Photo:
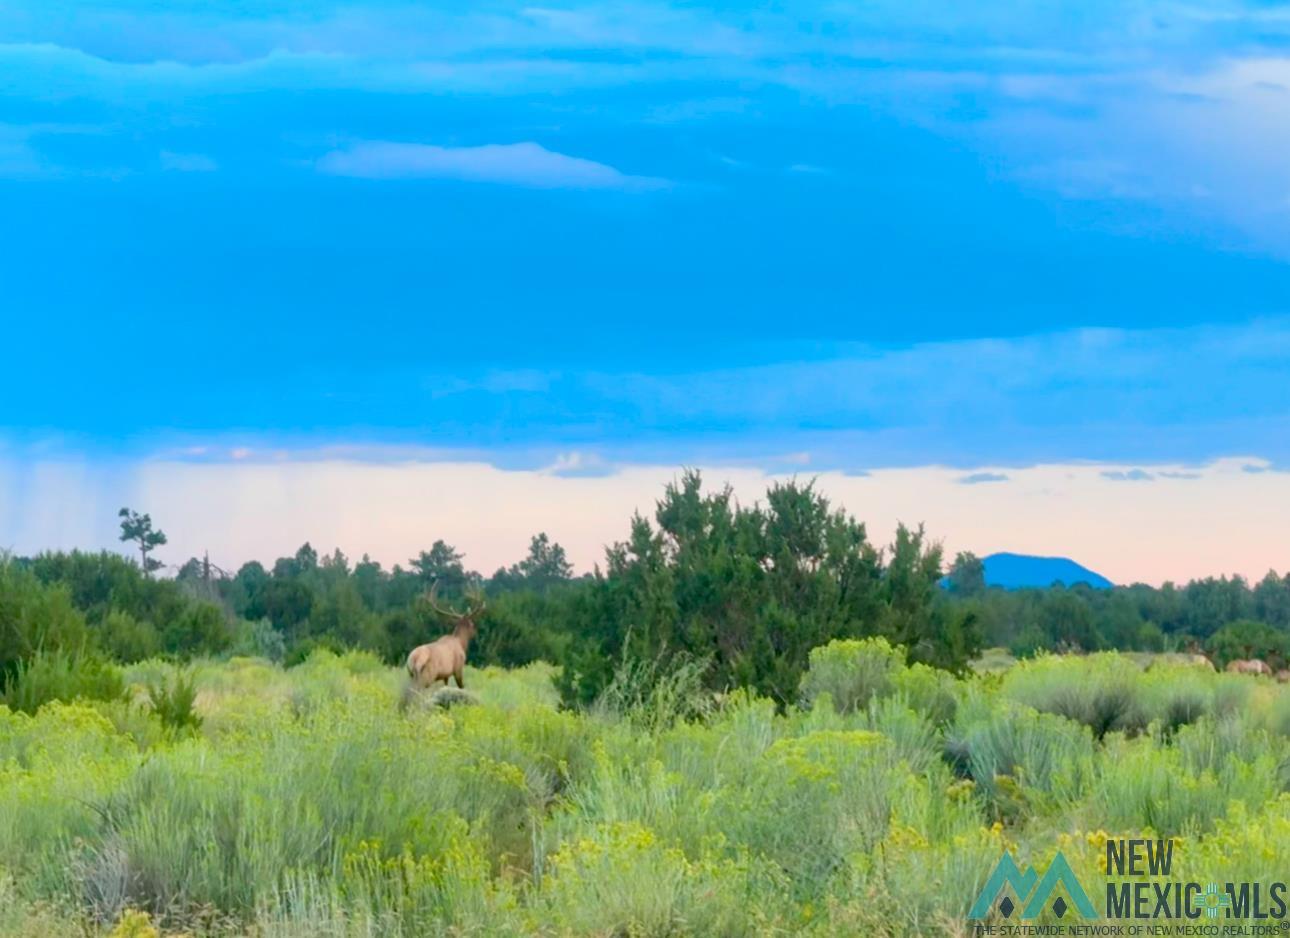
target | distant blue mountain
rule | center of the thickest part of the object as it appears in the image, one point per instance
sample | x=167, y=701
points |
x=1018, y=571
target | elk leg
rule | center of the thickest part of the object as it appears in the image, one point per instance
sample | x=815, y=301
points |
x=457, y=675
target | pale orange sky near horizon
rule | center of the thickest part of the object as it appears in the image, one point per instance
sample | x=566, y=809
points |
x=1131, y=523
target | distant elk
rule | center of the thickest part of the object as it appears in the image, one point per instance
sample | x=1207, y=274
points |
x=1248, y=666
x=445, y=657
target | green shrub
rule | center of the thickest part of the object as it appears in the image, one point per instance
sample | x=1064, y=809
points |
x=34, y=617
x=301, y=651
x=812, y=802
x=620, y=879
x=200, y=628
x=1029, y=642
x=258, y=639
x=125, y=638
x=929, y=691
x=913, y=733
x=61, y=675
x=1185, y=789
x=1246, y=638
x=56, y=767
x=1278, y=717
x=1103, y=691
x=1019, y=758
x=450, y=892
x=174, y=703
x=655, y=694
x=134, y=721
x=1184, y=707
x=852, y=672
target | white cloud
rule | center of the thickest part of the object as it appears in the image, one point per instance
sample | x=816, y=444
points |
x=517, y=164
x=808, y=169
x=577, y=464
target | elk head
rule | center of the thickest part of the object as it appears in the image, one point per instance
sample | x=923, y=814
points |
x=463, y=623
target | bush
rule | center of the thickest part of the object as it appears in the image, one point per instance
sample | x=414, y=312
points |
x=912, y=733
x=174, y=703
x=1248, y=639
x=258, y=639
x=1030, y=642
x=101, y=582
x=1279, y=715
x=1104, y=691
x=125, y=638
x=929, y=691
x=34, y=617
x=816, y=800
x=1019, y=758
x=301, y=651
x=852, y=672
x=60, y=675
x=656, y=694
x=621, y=880
x=519, y=628
x=1181, y=791
x=200, y=629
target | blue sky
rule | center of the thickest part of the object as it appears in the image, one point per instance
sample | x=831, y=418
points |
x=834, y=236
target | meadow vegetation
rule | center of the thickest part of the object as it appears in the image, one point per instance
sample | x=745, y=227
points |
x=755, y=722
x=749, y=590
x=230, y=797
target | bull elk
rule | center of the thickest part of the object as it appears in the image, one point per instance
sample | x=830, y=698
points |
x=445, y=657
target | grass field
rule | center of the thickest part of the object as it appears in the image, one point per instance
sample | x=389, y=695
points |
x=309, y=803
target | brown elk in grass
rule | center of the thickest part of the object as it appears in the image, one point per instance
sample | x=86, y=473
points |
x=1248, y=666
x=445, y=657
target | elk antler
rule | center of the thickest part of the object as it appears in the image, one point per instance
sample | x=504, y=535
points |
x=446, y=612
x=475, y=603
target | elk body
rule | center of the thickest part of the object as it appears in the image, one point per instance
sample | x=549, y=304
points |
x=1248, y=666
x=445, y=657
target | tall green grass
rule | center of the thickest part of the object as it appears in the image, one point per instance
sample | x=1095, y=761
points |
x=236, y=797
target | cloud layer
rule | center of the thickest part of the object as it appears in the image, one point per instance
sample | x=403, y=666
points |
x=1182, y=107
x=521, y=164
x=859, y=236
x=1113, y=395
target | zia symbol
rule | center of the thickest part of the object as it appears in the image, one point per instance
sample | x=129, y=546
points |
x=1211, y=901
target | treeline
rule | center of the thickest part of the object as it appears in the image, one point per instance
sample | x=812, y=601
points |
x=1223, y=617
x=742, y=592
